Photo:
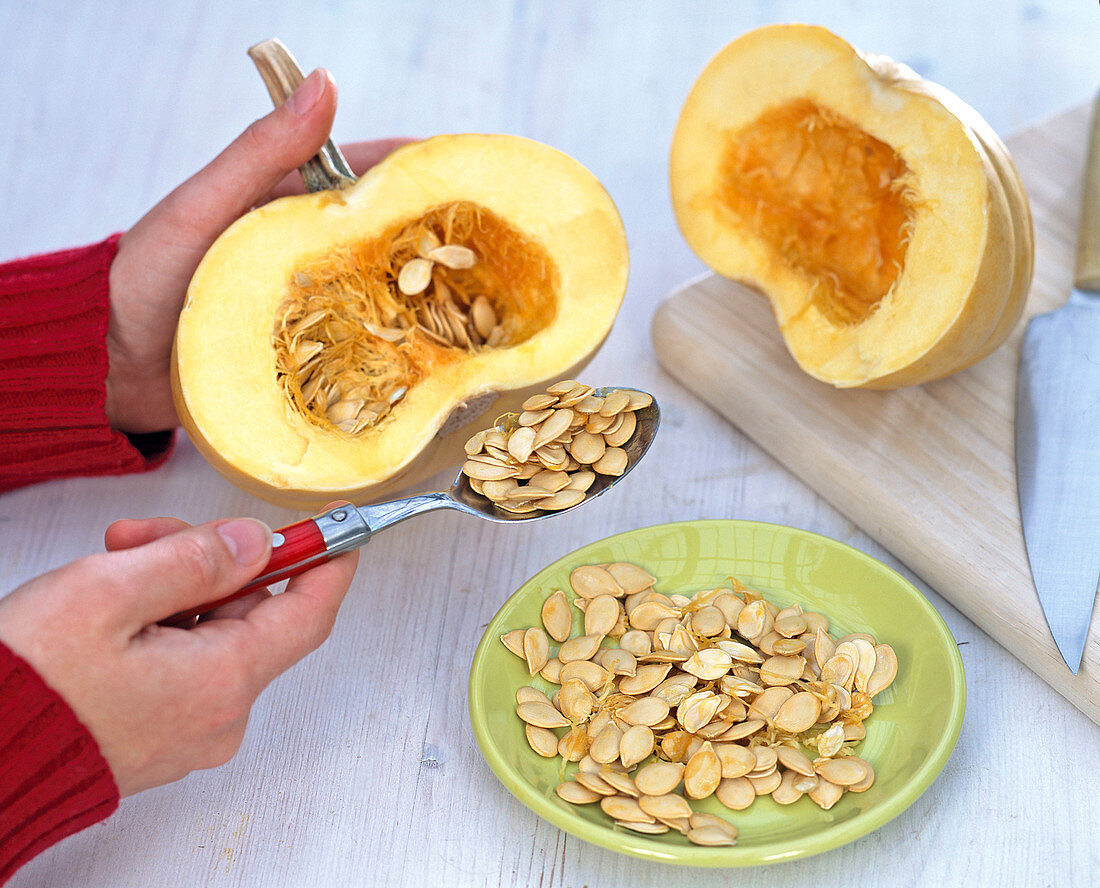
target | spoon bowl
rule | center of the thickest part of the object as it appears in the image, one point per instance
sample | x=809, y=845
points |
x=468, y=500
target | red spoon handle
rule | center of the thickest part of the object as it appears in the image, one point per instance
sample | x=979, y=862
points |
x=294, y=550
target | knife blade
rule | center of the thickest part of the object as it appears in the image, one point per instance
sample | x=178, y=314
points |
x=1058, y=437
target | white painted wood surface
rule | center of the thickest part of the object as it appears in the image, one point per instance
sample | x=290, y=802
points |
x=359, y=767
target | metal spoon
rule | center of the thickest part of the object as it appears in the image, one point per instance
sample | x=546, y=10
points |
x=343, y=527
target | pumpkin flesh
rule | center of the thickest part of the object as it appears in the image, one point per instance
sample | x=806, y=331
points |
x=551, y=260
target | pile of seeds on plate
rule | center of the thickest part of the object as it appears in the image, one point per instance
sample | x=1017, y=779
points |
x=548, y=456
x=724, y=690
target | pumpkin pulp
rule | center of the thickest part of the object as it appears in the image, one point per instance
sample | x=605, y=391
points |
x=828, y=199
x=349, y=344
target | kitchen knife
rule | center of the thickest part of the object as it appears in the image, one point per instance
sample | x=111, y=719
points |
x=1058, y=437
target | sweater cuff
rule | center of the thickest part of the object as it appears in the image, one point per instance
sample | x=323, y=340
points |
x=54, y=311
x=53, y=779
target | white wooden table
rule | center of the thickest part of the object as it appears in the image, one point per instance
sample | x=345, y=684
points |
x=360, y=767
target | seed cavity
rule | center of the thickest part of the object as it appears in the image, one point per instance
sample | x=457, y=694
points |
x=361, y=326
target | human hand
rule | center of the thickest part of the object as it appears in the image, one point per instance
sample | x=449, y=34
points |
x=157, y=257
x=159, y=701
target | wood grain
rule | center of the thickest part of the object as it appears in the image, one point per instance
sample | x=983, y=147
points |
x=928, y=471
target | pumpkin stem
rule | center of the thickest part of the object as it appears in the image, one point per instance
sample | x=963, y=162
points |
x=326, y=170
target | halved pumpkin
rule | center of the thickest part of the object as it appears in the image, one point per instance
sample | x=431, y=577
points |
x=881, y=216
x=304, y=371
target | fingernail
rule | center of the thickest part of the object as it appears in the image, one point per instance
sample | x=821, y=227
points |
x=309, y=91
x=246, y=539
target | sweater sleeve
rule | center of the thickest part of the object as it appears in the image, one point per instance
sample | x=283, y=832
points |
x=53, y=779
x=53, y=369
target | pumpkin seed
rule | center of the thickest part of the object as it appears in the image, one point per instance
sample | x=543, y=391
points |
x=658, y=778
x=592, y=675
x=842, y=771
x=557, y=618
x=521, y=443
x=551, y=672
x=753, y=621
x=666, y=806
x=637, y=642
x=576, y=701
x=736, y=793
x=620, y=780
x=825, y=794
x=514, y=642
x=600, y=615
x=868, y=779
x=735, y=760
x=594, y=782
x=830, y=740
x=765, y=784
x=563, y=499
x=613, y=461
x=697, y=710
x=865, y=663
x=637, y=743
x=624, y=808
x=711, y=836
x=699, y=819
x=767, y=704
x=645, y=711
x=591, y=581
x=541, y=715
x=415, y=276
x=453, y=256
x=574, y=745
x=709, y=664
x=780, y=670
x=645, y=679
x=528, y=694
x=536, y=649
x=795, y=760
x=886, y=669
x=542, y=740
x=787, y=793
x=631, y=577
x=703, y=773
x=583, y=647
x=743, y=729
x=605, y=746
x=838, y=669
x=652, y=829
x=575, y=794
x=798, y=713
x=619, y=661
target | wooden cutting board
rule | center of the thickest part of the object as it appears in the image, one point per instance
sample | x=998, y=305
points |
x=927, y=471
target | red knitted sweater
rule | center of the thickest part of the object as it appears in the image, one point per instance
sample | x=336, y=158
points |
x=53, y=365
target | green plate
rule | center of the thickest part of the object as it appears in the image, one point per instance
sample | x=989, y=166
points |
x=909, y=737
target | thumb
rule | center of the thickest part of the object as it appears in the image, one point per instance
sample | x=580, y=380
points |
x=184, y=569
x=256, y=161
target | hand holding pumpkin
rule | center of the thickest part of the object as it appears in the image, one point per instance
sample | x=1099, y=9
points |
x=156, y=258
x=162, y=702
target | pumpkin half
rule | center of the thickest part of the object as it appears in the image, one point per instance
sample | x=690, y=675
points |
x=342, y=344
x=881, y=216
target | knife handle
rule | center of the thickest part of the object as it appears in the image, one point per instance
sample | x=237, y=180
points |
x=294, y=550
x=1087, y=270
